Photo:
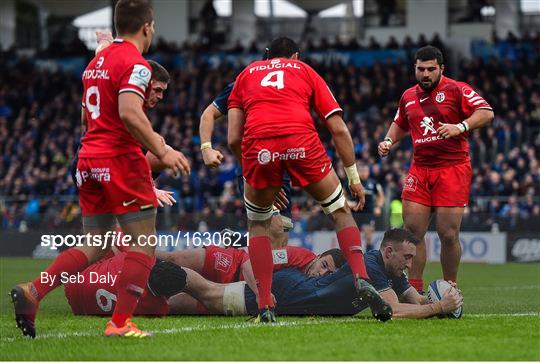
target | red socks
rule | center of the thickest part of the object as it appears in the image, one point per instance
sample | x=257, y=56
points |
x=350, y=243
x=131, y=285
x=260, y=253
x=70, y=261
x=418, y=284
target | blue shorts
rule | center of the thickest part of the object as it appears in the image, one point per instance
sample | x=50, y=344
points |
x=298, y=294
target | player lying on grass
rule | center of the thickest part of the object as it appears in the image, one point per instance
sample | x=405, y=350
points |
x=95, y=292
x=334, y=294
x=227, y=265
x=299, y=291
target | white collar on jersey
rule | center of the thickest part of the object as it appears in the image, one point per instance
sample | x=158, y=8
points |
x=118, y=40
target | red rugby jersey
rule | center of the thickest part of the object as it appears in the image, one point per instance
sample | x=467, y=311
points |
x=116, y=69
x=422, y=113
x=276, y=96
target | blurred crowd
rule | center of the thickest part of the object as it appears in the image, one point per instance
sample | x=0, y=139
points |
x=40, y=130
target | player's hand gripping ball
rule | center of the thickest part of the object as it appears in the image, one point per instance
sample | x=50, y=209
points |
x=437, y=291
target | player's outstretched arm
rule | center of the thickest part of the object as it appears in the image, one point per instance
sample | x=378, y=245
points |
x=130, y=109
x=394, y=134
x=345, y=149
x=450, y=301
x=211, y=157
x=235, y=132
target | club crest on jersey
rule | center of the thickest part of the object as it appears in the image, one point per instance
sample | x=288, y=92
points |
x=140, y=76
x=428, y=125
x=223, y=262
x=410, y=183
x=264, y=156
x=280, y=257
x=440, y=97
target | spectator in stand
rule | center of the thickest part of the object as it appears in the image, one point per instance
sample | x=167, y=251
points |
x=38, y=135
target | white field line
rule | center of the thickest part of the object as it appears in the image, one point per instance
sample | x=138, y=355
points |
x=246, y=325
x=501, y=315
x=498, y=288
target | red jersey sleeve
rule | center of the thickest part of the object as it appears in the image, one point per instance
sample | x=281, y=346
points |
x=471, y=100
x=291, y=256
x=401, y=117
x=136, y=79
x=324, y=102
x=235, y=98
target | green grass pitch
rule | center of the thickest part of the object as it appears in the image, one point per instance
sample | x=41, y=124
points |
x=501, y=321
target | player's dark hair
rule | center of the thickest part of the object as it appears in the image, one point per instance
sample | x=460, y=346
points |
x=428, y=53
x=166, y=279
x=397, y=236
x=282, y=47
x=131, y=15
x=159, y=73
x=337, y=256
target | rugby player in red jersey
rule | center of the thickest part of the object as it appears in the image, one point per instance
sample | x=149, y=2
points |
x=96, y=292
x=438, y=112
x=274, y=97
x=226, y=265
x=115, y=176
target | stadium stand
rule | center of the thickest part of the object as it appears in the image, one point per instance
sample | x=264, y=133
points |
x=39, y=132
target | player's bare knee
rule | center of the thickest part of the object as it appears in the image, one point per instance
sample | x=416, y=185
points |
x=449, y=236
x=417, y=230
x=138, y=223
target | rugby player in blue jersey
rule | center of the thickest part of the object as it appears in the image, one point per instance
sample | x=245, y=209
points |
x=334, y=294
x=297, y=291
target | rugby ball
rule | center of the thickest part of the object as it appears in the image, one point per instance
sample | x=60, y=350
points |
x=436, y=291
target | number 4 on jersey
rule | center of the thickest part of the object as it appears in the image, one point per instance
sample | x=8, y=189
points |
x=268, y=80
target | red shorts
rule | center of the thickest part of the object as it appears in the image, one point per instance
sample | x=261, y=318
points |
x=223, y=264
x=446, y=186
x=115, y=185
x=302, y=155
